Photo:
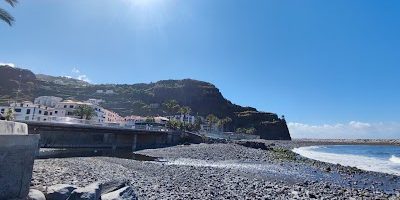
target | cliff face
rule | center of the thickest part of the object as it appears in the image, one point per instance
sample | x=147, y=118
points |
x=143, y=99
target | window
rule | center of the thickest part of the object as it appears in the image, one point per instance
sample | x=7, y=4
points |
x=46, y=113
x=65, y=106
x=17, y=110
x=56, y=112
x=51, y=113
x=2, y=111
x=40, y=112
x=28, y=111
x=71, y=106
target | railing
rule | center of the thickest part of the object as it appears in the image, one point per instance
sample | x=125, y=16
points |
x=231, y=136
x=70, y=120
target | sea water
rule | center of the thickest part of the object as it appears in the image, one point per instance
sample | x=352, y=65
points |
x=376, y=158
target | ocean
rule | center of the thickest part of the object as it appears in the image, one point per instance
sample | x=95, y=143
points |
x=377, y=158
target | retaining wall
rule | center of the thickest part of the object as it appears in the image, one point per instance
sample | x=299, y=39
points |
x=17, y=154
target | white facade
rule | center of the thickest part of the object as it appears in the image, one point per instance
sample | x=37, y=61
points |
x=109, y=92
x=102, y=115
x=49, y=101
x=28, y=111
x=105, y=91
x=188, y=119
x=53, y=109
x=95, y=101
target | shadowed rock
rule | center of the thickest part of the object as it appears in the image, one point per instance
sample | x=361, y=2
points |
x=125, y=193
x=90, y=192
x=59, y=191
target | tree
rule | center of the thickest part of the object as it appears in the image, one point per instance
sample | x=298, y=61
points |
x=185, y=110
x=249, y=131
x=84, y=112
x=197, y=124
x=223, y=122
x=172, y=107
x=9, y=115
x=5, y=16
x=211, y=120
x=174, y=124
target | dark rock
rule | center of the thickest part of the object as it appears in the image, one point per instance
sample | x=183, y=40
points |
x=59, y=191
x=111, y=186
x=328, y=169
x=90, y=192
x=125, y=193
x=312, y=196
x=254, y=145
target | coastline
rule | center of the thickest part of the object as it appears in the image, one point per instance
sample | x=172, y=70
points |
x=222, y=171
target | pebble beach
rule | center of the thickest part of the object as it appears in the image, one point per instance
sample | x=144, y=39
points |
x=235, y=170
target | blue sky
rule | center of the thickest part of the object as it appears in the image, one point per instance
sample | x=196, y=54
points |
x=320, y=63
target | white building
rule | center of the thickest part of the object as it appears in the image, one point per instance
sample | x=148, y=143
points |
x=102, y=115
x=109, y=91
x=28, y=111
x=95, y=101
x=188, y=119
x=146, y=123
x=53, y=109
x=49, y=101
x=105, y=92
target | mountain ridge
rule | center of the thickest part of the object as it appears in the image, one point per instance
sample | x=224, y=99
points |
x=143, y=98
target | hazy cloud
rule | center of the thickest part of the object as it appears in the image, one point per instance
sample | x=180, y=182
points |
x=352, y=130
x=76, y=73
x=83, y=78
x=9, y=64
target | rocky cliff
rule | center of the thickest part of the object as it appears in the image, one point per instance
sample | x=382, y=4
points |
x=142, y=99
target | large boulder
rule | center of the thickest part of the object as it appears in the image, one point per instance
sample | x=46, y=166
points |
x=59, y=191
x=35, y=195
x=111, y=186
x=90, y=192
x=125, y=193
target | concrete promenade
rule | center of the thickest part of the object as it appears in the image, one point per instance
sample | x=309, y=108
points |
x=57, y=135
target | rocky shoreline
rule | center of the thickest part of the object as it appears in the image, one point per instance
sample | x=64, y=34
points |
x=256, y=169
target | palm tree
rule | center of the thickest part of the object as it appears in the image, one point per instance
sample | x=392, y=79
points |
x=5, y=16
x=223, y=122
x=211, y=120
x=84, y=112
x=9, y=115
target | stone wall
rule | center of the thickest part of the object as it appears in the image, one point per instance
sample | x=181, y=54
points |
x=7, y=127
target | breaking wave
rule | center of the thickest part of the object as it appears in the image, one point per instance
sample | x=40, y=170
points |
x=395, y=159
x=390, y=166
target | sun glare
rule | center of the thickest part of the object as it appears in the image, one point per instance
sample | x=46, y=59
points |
x=143, y=3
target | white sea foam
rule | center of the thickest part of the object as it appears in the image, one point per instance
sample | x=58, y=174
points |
x=395, y=159
x=362, y=162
